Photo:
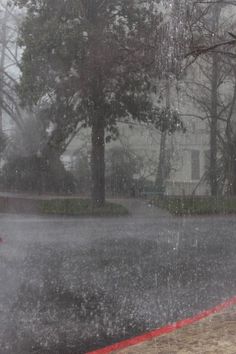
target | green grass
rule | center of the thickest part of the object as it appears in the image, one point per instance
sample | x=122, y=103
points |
x=80, y=207
x=197, y=205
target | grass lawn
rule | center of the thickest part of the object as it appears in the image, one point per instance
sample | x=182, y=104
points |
x=196, y=205
x=80, y=207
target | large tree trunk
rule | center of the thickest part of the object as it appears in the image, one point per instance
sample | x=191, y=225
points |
x=2, y=61
x=98, y=162
x=162, y=170
x=231, y=168
x=213, y=127
x=234, y=178
x=214, y=106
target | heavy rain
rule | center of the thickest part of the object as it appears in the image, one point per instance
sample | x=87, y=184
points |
x=117, y=176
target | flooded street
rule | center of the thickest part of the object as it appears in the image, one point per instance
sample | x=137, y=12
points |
x=69, y=285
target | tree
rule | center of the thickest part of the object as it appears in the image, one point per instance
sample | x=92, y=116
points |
x=93, y=63
x=215, y=81
x=227, y=136
x=26, y=170
x=208, y=88
x=122, y=166
x=81, y=170
x=10, y=19
x=2, y=60
x=213, y=42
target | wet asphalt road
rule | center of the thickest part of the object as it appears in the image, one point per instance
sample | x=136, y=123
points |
x=71, y=285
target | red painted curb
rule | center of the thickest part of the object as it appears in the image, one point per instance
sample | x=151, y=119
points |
x=164, y=330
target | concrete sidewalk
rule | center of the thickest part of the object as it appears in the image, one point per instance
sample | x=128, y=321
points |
x=213, y=335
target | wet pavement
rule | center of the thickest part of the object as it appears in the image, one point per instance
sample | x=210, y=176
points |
x=70, y=285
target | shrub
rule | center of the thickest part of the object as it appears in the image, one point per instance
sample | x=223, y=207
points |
x=35, y=174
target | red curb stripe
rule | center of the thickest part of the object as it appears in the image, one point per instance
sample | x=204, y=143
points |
x=164, y=330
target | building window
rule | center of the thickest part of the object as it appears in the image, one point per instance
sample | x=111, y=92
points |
x=195, y=164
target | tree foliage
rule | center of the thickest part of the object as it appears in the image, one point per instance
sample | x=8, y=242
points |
x=85, y=56
x=92, y=63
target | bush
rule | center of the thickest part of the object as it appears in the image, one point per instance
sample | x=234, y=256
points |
x=62, y=206
x=197, y=205
x=80, y=207
x=35, y=174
